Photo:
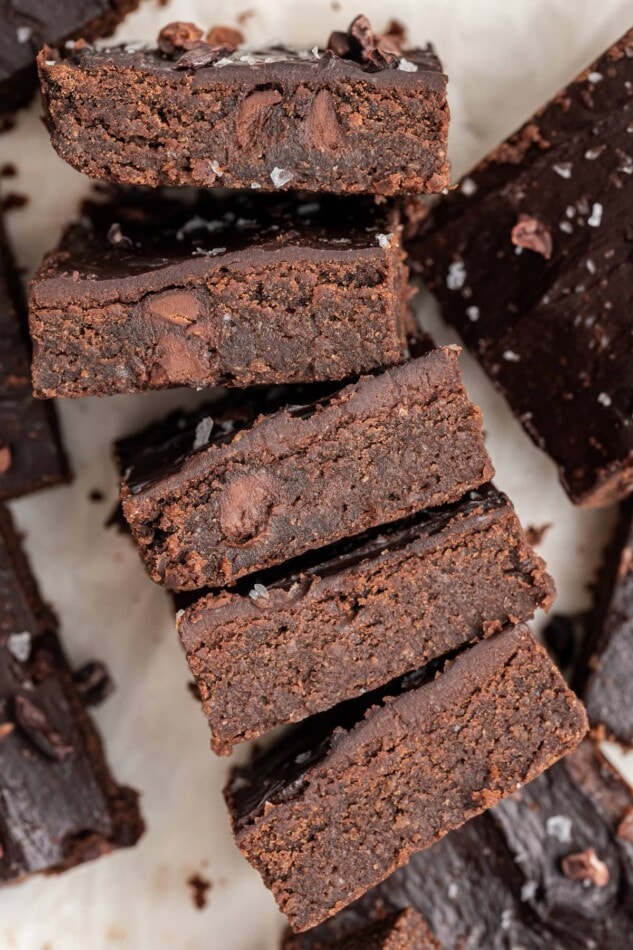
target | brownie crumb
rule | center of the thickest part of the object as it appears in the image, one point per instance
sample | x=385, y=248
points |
x=13, y=200
x=8, y=170
x=93, y=682
x=536, y=533
x=96, y=495
x=245, y=16
x=199, y=887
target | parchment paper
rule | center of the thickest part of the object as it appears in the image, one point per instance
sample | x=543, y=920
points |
x=504, y=58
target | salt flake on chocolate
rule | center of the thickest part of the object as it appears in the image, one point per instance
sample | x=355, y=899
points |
x=281, y=176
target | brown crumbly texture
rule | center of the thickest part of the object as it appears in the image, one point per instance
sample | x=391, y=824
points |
x=32, y=456
x=342, y=801
x=267, y=655
x=378, y=450
x=530, y=259
x=407, y=930
x=151, y=291
x=318, y=122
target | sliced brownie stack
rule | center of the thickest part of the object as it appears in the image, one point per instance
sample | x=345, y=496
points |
x=342, y=561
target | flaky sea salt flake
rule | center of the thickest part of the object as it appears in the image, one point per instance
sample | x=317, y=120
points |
x=595, y=218
x=407, y=66
x=281, y=176
x=203, y=433
x=456, y=276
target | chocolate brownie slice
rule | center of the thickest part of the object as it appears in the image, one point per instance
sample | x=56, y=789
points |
x=59, y=805
x=251, y=493
x=359, y=117
x=26, y=27
x=406, y=930
x=551, y=866
x=292, y=642
x=604, y=674
x=31, y=451
x=342, y=800
x=149, y=291
x=530, y=259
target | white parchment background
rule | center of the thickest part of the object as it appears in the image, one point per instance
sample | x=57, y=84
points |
x=504, y=58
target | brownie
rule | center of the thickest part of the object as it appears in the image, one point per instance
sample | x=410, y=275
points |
x=530, y=260
x=406, y=930
x=147, y=292
x=31, y=451
x=342, y=800
x=604, y=672
x=59, y=805
x=251, y=493
x=292, y=642
x=551, y=866
x=26, y=27
x=358, y=117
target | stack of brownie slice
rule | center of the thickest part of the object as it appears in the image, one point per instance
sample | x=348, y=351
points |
x=341, y=559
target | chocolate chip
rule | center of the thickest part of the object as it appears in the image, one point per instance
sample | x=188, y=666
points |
x=94, y=683
x=177, y=36
x=225, y=36
x=33, y=721
x=253, y=113
x=5, y=458
x=586, y=867
x=322, y=126
x=202, y=55
x=200, y=888
x=533, y=235
x=360, y=30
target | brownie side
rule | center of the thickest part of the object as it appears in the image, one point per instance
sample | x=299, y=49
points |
x=406, y=930
x=376, y=451
x=25, y=31
x=32, y=456
x=203, y=292
x=342, y=801
x=272, y=120
x=604, y=673
x=278, y=650
x=530, y=261
x=59, y=805
x=500, y=881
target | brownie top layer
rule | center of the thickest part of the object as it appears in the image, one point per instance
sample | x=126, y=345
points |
x=280, y=773
x=530, y=258
x=139, y=231
x=529, y=873
x=180, y=47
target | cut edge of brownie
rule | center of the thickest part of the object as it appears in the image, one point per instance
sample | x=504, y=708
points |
x=433, y=380
x=299, y=805
x=289, y=618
